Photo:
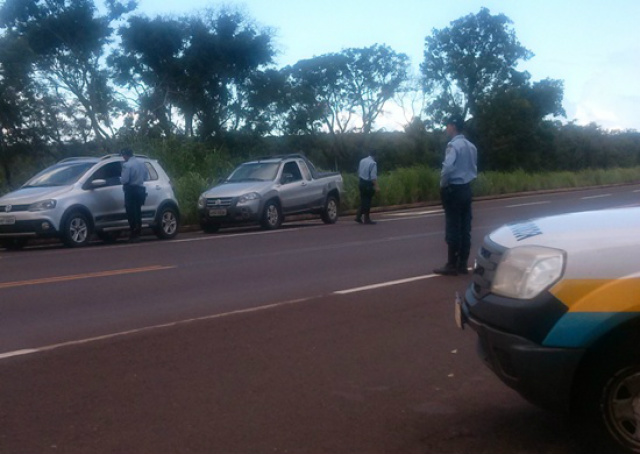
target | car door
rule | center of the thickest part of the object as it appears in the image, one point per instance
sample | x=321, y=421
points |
x=314, y=189
x=104, y=196
x=155, y=193
x=292, y=188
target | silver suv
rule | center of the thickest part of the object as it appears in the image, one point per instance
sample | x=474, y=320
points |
x=77, y=197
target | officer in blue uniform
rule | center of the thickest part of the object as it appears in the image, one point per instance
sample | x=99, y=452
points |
x=134, y=174
x=459, y=169
x=368, y=186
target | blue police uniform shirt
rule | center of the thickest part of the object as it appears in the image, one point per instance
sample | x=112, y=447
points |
x=134, y=172
x=368, y=169
x=460, y=165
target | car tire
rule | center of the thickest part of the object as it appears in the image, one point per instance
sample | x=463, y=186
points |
x=76, y=230
x=167, y=223
x=605, y=402
x=210, y=227
x=271, y=215
x=329, y=214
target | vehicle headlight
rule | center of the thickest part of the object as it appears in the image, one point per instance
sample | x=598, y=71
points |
x=526, y=271
x=202, y=201
x=43, y=205
x=248, y=197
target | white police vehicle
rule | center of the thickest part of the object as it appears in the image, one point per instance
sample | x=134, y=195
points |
x=555, y=303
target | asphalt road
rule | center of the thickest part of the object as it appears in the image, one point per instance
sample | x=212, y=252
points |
x=309, y=339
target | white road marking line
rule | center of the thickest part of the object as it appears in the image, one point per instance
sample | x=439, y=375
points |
x=231, y=235
x=384, y=284
x=544, y=202
x=29, y=351
x=414, y=213
x=599, y=196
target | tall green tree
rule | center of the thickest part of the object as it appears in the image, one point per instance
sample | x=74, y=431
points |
x=148, y=63
x=512, y=126
x=345, y=91
x=200, y=65
x=467, y=61
x=67, y=39
x=375, y=75
x=318, y=95
x=17, y=97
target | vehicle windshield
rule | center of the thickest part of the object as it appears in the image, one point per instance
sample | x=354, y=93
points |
x=62, y=174
x=255, y=171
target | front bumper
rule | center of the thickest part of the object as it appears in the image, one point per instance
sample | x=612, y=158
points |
x=31, y=228
x=542, y=375
x=234, y=213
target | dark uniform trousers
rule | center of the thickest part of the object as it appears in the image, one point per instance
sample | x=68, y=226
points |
x=456, y=201
x=134, y=197
x=367, y=191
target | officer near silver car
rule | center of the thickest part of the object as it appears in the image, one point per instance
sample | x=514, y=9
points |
x=368, y=187
x=459, y=169
x=134, y=174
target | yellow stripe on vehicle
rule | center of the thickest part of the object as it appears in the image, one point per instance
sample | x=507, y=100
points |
x=599, y=295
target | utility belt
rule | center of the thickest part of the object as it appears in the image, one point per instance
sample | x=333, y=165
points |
x=132, y=187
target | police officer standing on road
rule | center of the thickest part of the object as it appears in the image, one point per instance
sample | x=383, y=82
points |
x=368, y=186
x=134, y=174
x=459, y=169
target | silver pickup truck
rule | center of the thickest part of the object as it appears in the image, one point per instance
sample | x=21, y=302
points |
x=265, y=190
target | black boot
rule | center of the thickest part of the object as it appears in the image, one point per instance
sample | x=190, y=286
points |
x=463, y=267
x=451, y=267
x=134, y=235
x=359, y=216
x=367, y=220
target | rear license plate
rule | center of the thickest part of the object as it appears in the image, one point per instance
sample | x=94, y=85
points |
x=218, y=212
x=7, y=220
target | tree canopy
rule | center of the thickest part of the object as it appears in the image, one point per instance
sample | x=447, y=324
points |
x=344, y=91
x=74, y=75
x=469, y=60
x=199, y=65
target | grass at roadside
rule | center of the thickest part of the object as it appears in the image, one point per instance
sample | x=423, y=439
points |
x=194, y=168
x=420, y=184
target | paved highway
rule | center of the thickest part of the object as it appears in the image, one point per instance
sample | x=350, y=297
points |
x=312, y=338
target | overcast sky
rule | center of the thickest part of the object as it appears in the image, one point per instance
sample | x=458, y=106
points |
x=592, y=45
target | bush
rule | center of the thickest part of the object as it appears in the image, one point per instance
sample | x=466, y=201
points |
x=188, y=188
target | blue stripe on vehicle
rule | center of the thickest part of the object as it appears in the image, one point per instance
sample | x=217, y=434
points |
x=580, y=329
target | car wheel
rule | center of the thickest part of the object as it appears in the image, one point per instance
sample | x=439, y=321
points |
x=330, y=213
x=76, y=229
x=271, y=216
x=14, y=244
x=210, y=227
x=609, y=402
x=167, y=223
x=620, y=407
